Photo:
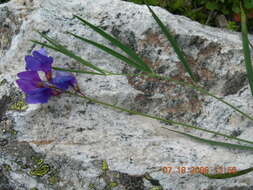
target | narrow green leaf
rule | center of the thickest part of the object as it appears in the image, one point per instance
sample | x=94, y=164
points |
x=44, y=44
x=212, y=5
x=174, y=44
x=168, y=121
x=246, y=49
x=117, y=43
x=248, y=4
x=228, y=175
x=109, y=51
x=60, y=48
x=217, y=143
x=51, y=41
x=181, y=83
x=77, y=71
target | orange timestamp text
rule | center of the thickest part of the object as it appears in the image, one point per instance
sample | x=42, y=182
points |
x=198, y=169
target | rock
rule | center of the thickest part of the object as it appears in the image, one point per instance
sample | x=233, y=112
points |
x=70, y=143
x=221, y=21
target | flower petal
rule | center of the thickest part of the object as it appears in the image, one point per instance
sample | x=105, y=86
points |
x=40, y=95
x=32, y=64
x=29, y=75
x=26, y=85
x=42, y=51
x=63, y=80
x=39, y=61
x=42, y=58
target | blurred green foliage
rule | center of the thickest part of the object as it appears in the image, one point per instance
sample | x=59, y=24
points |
x=204, y=11
x=4, y=1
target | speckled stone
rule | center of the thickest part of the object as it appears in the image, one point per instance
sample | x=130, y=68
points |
x=56, y=145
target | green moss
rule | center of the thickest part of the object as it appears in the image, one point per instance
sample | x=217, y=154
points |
x=91, y=186
x=19, y=106
x=116, y=175
x=113, y=184
x=34, y=188
x=37, y=161
x=41, y=170
x=53, y=180
x=3, y=82
x=6, y=167
x=156, y=188
x=104, y=166
x=12, y=132
x=22, y=165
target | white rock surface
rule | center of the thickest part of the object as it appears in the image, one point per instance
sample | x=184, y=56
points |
x=71, y=135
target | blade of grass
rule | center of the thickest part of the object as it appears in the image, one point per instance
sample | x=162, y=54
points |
x=229, y=145
x=251, y=45
x=215, y=143
x=65, y=51
x=109, y=51
x=84, y=72
x=117, y=43
x=182, y=83
x=44, y=44
x=246, y=49
x=174, y=44
x=228, y=175
x=166, y=120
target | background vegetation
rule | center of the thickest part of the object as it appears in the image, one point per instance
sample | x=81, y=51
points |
x=219, y=13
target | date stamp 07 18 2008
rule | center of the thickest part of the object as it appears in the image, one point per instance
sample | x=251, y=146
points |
x=198, y=170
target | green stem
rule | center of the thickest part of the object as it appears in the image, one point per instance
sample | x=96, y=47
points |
x=246, y=49
x=202, y=90
x=197, y=88
x=158, y=118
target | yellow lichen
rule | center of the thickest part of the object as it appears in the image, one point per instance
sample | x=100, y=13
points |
x=19, y=106
x=37, y=160
x=156, y=188
x=53, y=180
x=113, y=184
x=104, y=166
x=91, y=186
x=6, y=167
x=40, y=171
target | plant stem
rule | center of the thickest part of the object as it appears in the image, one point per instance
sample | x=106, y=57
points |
x=158, y=118
x=200, y=89
x=182, y=83
x=246, y=49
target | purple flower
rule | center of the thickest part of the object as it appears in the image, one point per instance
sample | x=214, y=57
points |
x=36, y=91
x=39, y=61
x=39, y=96
x=63, y=80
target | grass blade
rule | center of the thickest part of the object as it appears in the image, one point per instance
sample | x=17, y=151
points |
x=70, y=70
x=182, y=83
x=228, y=175
x=117, y=43
x=174, y=44
x=60, y=48
x=108, y=50
x=217, y=143
x=44, y=44
x=167, y=121
x=246, y=49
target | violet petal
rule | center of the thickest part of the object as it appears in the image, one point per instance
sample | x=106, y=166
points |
x=26, y=85
x=63, y=80
x=29, y=75
x=40, y=95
